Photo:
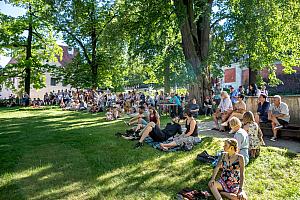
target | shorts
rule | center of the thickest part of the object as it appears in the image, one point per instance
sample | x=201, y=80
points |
x=181, y=140
x=283, y=122
x=157, y=135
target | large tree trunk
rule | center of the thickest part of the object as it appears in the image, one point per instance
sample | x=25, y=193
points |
x=28, y=55
x=195, y=44
x=167, y=86
x=252, y=75
x=94, y=66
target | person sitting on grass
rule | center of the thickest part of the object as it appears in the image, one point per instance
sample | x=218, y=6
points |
x=208, y=106
x=116, y=112
x=109, y=114
x=189, y=136
x=194, y=108
x=255, y=134
x=232, y=164
x=159, y=135
x=239, y=109
x=141, y=118
x=262, y=109
x=224, y=110
x=153, y=117
x=241, y=136
x=279, y=115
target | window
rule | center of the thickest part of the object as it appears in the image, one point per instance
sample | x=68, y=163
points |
x=53, y=82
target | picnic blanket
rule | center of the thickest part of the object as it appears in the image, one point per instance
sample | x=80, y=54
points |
x=156, y=145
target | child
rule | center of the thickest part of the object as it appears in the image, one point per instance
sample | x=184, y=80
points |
x=109, y=114
x=255, y=134
x=115, y=112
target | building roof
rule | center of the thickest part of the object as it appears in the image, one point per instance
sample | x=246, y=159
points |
x=68, y=54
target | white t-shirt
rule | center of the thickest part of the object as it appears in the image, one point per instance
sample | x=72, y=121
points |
x=225, y=105
x=281, y=109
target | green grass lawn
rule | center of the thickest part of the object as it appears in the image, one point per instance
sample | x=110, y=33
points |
x=54, y=154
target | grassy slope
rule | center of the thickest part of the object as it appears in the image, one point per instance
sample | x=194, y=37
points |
x=53, y=154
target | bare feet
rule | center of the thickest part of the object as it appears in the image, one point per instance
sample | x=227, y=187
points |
x=162, y=147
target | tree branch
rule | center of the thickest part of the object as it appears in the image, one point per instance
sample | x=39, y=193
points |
x=79, y=42
x=103, y=28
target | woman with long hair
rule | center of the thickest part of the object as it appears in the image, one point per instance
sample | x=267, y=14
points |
x=189, y=136
x=232, y=165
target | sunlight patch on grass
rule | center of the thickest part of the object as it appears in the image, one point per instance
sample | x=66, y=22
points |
x=86, y=161
x=16, y=176
x=71, y=191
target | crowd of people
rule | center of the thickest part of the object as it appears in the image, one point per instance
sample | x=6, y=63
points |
x=229, y=108
x=244, y=145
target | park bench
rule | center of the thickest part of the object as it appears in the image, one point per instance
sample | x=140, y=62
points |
x=290, y=131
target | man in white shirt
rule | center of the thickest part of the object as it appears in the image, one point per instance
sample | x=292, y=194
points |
x=223, y=111
x=279, y=115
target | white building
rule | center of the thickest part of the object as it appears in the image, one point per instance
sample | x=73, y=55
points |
x=51, y=83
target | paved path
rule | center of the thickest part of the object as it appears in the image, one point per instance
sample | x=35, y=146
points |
x=205, y=130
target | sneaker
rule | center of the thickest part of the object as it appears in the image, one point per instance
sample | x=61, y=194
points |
x=274, y=139
x=138, y=145
x=224, y=124
x=278, y=127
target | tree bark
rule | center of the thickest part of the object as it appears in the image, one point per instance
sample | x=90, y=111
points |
x=94, y=65
x=195, y=44
x=167, y=85
x=28, y=54
x=252, y=75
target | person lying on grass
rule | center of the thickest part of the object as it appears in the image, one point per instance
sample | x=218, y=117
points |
x=158, y=135
x=231, y=182
x=189, y=136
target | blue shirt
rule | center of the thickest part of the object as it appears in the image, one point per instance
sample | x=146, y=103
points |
x=263, y=110
x=233, y=96
x=175, y=100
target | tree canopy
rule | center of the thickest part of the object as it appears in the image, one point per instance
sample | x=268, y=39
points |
x=30, y=40
x=165, y=43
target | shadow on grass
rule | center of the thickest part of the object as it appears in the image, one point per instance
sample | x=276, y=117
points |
x=59, y=155
x=75, y=152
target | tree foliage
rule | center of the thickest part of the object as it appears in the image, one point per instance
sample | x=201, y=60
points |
x=88, y=26
x=30, y=40
x=257, y=33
